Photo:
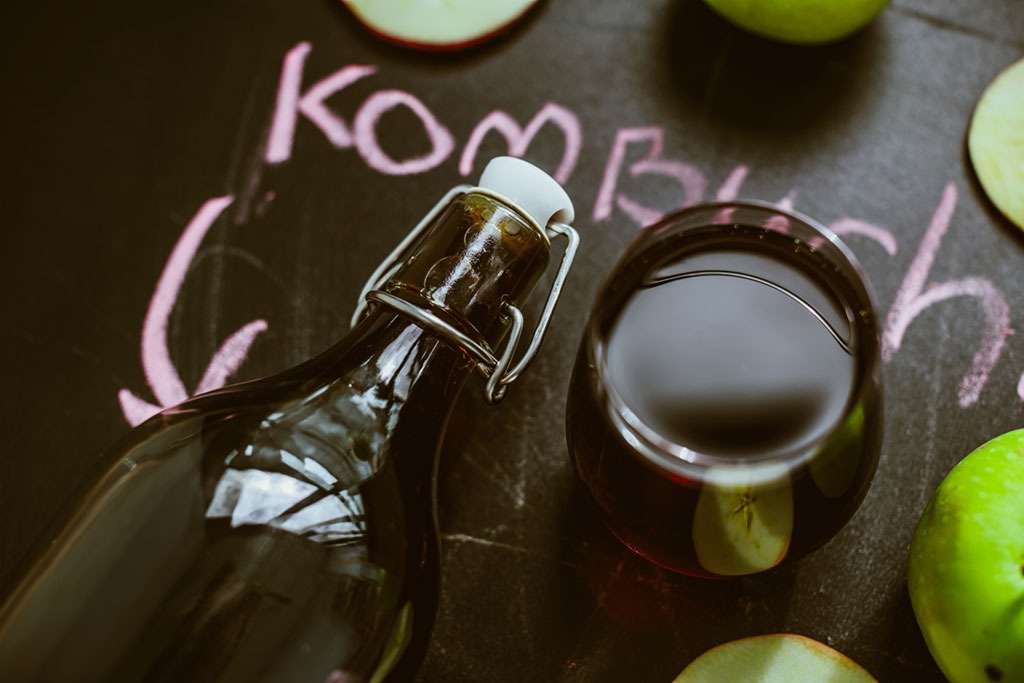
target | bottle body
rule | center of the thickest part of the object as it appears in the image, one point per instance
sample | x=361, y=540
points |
x=283, y=529
x=278, y=531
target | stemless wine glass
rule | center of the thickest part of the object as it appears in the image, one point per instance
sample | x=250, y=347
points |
x=725, y=408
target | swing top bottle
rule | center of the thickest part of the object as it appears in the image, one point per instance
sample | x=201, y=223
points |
x=285, y=529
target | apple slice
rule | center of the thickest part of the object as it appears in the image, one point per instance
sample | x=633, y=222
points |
x=834, y=468
x=996, y=145
x=774, y=658
x=741, y=529
x=438, y=24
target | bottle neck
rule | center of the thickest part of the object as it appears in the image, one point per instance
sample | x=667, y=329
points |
x=477, y=256
x=395, y=361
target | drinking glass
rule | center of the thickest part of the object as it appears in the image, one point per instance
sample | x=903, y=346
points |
x=725, y=408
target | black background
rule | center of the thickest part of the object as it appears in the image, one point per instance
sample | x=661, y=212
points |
x=120, y=120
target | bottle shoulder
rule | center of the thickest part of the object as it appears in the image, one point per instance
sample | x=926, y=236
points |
x=330, y=424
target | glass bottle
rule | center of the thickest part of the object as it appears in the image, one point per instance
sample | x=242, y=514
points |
x=285, y=529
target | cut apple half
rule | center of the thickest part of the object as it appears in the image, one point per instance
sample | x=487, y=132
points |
x=774, y=658
x=742, y=529
x=996, y=145
x=438, y=24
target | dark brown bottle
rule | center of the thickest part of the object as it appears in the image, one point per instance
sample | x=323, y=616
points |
x=284, y=529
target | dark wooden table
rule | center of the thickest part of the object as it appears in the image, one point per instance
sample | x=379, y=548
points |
x=122, y=122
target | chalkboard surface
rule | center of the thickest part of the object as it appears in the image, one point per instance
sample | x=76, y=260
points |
x=194, y=192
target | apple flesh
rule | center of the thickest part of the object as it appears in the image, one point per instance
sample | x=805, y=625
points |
x=995, y=143
x=966, y=568
x=834, y=469
x=438, y=24
x=741, y=529
x=773, y=658
x=804, y=22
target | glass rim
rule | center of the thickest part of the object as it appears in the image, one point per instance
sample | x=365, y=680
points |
x=676, y=459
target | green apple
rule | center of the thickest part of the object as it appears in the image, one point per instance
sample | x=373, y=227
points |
x=774, y=658
x=966, y=570
x=996, y=145
x=805, y=22
x=743, y=526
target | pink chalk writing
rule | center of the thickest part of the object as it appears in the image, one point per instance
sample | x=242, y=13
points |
x=291, y=102
x=365, y=129
x=519, y=139
x=159, y=369
x=853, y=226
x=730, y=189
x=913, y=298
x=311, y=105
x=690, y=180
x=915, y=294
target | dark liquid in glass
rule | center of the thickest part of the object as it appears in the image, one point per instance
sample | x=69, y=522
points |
x=740, y=345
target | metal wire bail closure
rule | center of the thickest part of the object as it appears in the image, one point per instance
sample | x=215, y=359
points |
x=499, y=370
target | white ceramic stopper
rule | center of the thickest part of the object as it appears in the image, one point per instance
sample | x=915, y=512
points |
x=532, y=189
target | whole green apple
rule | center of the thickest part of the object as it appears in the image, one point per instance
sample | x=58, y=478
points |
x=966, y=571
x=807, y=22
